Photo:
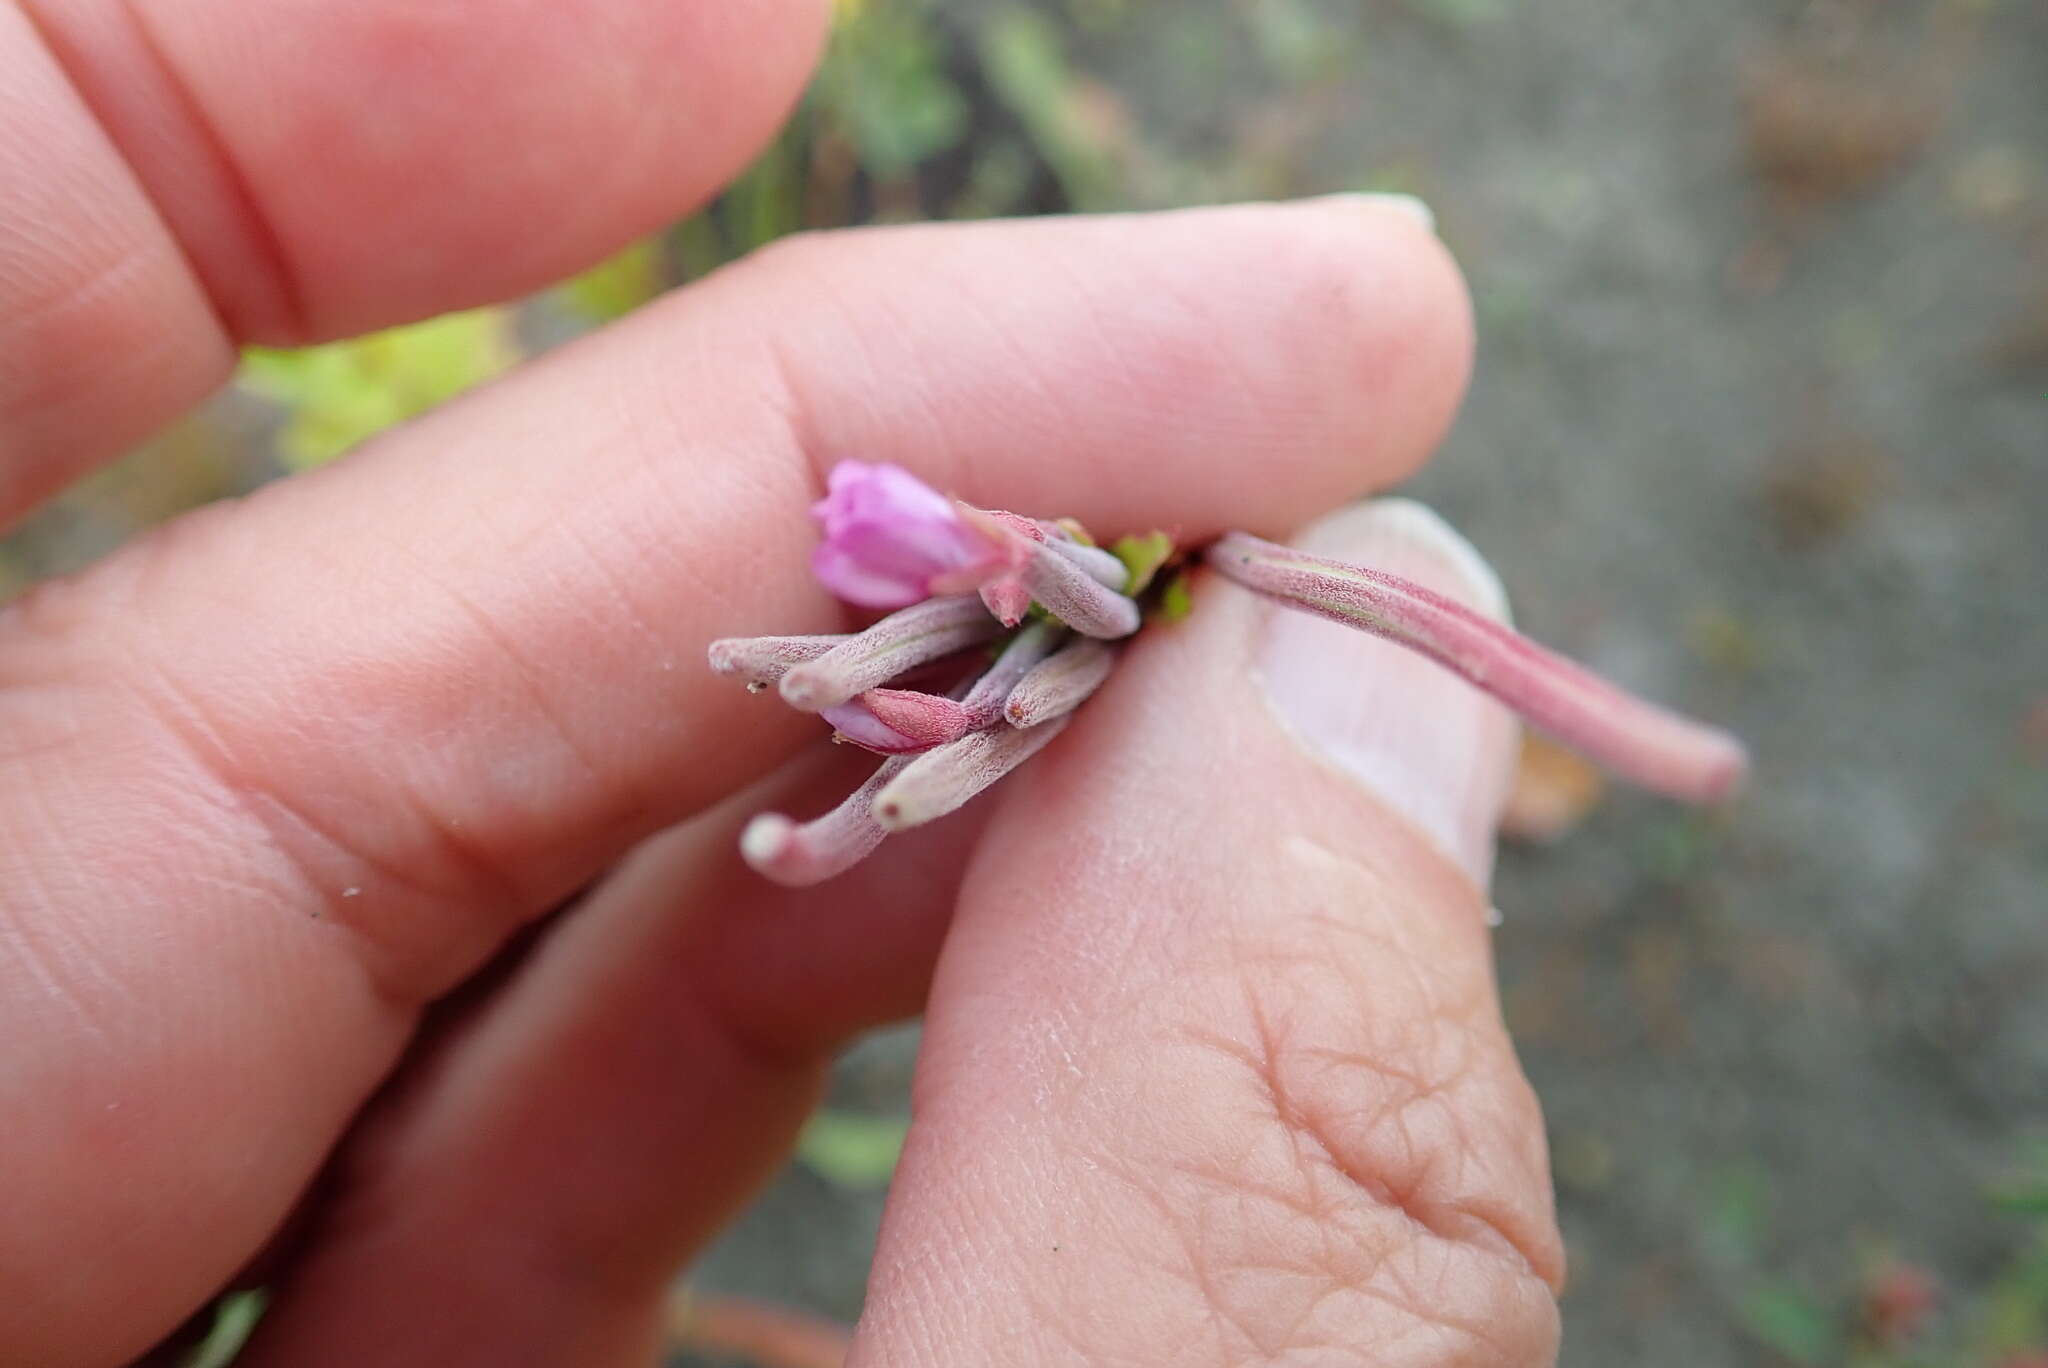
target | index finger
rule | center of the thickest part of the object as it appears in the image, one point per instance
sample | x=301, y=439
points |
x=184, y=176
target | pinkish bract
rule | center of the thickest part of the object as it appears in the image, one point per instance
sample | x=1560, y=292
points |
x=1040, y=614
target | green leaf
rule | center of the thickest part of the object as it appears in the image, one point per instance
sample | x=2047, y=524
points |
x=851, y=1150
x=1176, y=601
x=234, y=1319
x=1142, y=557
x=1791, y=1324
x=342, y=393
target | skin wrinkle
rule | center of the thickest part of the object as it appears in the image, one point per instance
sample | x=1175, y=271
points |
x=53, y=971
x=1315, y=1120
x=290, y=831
x=1227, y=1181
x=810, y=257
x=258, y=251
x=288, y=828
x=1268, y=1056
x=62, y=298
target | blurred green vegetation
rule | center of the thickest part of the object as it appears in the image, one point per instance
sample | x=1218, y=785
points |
x=1877, y=1309
x=919, y=111
x=851, y=1149
x=898, y=93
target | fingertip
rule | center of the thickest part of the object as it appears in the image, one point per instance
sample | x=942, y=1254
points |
x=464, y=153
x=1422, y=338
x=1240, y=365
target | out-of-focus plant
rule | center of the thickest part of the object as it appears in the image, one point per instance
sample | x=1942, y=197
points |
x=1070, y=123
x=619, y=284
x=883, y=104
x=234, y=1319
x=339, y=394
x=852, y=1150
x=1886, y=1311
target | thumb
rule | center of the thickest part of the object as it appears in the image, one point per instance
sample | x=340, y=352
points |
x=1214, y=1070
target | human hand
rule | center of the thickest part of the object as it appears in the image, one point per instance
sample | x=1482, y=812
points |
x=1212, y=1070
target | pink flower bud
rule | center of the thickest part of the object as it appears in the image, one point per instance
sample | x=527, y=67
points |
x=917, y=721
x=855, y=721
x=891, y=540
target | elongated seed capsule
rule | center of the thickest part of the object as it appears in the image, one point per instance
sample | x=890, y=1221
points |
x=798, y=854
x=940, y=781
x=1102, y=566
x=1060, y=683
x=919, y=633
x=1020, y=655
x=1636, y=739
x=765, y=659
x=1074, y=596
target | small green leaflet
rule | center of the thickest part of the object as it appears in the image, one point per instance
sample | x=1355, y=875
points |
x=1142, y=557
x=850, y=1150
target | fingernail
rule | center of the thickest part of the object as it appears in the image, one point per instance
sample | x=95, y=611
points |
x=1385, y=199
x=1430, y=745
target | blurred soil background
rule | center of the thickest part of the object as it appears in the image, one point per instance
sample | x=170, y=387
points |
x=1760, y=427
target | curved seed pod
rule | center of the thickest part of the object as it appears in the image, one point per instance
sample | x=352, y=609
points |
x=1020, y=656
x=765, y=659
x=941, y=781
x=1074, y=596
x=1636, y=739
x=1102, y=566
x=1060, y=684
x=798, y=854
x=919, y=633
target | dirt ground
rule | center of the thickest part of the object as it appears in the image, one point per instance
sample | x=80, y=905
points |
x=1760, y=425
